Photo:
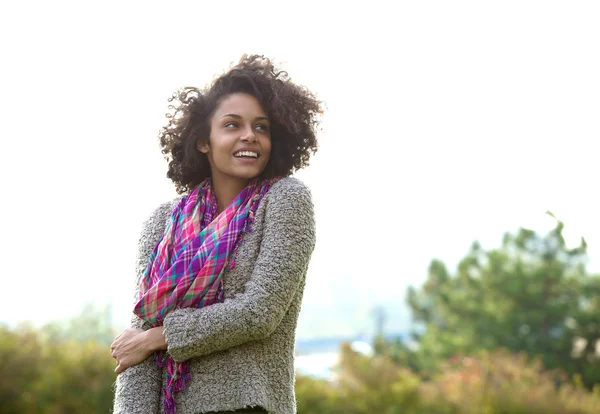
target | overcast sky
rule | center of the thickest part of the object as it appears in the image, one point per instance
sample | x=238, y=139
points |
x=446, y=122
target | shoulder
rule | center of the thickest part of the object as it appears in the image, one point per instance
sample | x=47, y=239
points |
x=290, y=198
x=289, y=188
x=159, y=216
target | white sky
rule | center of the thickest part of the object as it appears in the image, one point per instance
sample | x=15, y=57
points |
x=447, y=122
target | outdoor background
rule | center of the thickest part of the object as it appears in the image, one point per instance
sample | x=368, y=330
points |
x=447, y=123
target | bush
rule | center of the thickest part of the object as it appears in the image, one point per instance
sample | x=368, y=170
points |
x=40, y=376
x=493, y=382
x=500, y=382
x=44, y=373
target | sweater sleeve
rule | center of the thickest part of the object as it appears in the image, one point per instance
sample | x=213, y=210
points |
x=285, y=250
x=138, y=388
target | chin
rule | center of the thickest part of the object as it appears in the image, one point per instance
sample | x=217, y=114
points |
x=250, y=175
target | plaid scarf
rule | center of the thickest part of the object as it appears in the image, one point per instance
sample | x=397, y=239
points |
x=186, y=267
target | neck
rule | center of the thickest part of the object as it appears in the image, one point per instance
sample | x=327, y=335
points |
x=226, y=189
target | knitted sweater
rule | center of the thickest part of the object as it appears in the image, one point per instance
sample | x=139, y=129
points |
x=241, y=351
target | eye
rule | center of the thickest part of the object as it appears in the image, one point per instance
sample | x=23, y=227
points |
x=262, y=127
x=231, y=125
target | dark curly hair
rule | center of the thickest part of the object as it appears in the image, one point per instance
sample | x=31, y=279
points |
x=293, y=113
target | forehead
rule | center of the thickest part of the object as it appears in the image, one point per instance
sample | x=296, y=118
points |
x=240, y=104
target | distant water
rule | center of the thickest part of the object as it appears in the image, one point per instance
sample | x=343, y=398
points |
x=318, y=357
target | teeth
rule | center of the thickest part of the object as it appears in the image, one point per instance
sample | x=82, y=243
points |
x=246, y=154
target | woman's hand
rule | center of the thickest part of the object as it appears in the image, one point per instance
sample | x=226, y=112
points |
x=133, y=346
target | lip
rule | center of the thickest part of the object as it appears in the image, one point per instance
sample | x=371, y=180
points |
x=247, y=149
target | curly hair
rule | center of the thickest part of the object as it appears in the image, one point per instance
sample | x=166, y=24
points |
x=293, y=113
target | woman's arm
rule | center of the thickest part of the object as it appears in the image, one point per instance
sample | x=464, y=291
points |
x=288, y=242
x=138, y=388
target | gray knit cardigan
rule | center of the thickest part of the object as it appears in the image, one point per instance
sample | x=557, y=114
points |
x=241, y=351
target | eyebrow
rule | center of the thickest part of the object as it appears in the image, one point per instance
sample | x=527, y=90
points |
x=261, y=118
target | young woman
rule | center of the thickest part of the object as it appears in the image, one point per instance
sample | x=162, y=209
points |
x=221, y=270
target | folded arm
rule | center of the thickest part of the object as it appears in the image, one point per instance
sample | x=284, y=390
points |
x=138, y=388
x=288, y=242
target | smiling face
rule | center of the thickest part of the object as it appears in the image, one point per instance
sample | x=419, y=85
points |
x=239, y=145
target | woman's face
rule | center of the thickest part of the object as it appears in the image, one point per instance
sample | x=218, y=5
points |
x=240, y=139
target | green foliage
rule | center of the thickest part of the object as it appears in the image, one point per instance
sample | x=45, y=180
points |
x=491, y=383
x=531, y=295
x=20, y=366
x=363, y=385
x=45, y=377
x=60, y=368
x=502, y=382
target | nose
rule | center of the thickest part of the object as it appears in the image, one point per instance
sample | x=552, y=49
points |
x=249, y=135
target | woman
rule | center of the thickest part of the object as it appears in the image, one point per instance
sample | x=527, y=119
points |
x=221, y=269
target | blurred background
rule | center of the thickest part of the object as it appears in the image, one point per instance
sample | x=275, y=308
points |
x=458, y=255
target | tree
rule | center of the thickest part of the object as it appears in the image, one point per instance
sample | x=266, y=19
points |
x=532, y=294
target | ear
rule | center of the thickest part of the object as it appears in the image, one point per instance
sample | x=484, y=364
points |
x=202, y=146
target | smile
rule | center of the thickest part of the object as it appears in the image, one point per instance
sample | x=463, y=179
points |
x=246, y=154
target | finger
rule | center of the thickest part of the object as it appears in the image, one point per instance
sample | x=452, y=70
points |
x=121, y=367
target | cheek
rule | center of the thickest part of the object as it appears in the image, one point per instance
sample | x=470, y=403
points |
x=222, y=146
x=268, y=145
x=268, y=150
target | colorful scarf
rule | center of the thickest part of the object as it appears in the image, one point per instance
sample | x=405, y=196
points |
x=186, y=268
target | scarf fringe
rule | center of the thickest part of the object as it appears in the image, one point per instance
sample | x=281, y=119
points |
x=177, y=375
